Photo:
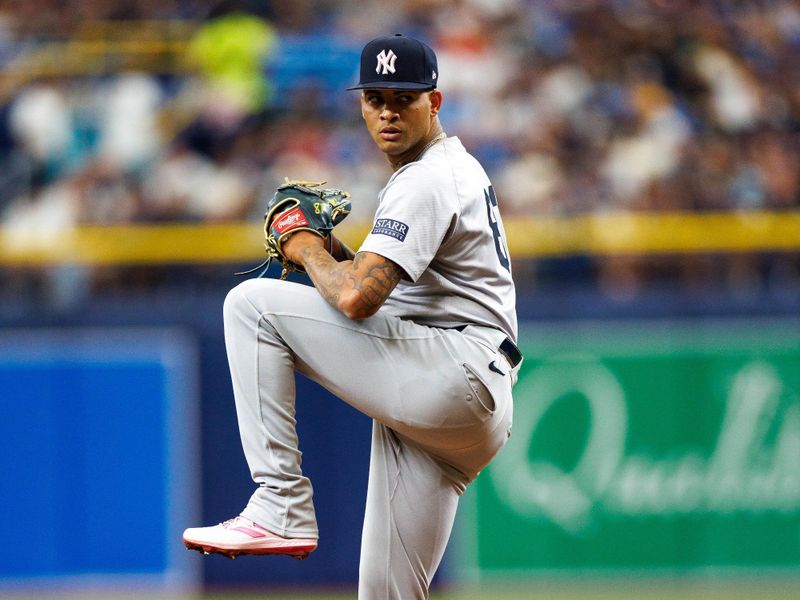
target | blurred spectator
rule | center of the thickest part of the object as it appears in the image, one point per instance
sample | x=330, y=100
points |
x=129, y=133
x=40, y=120
x=230, y=50
x=188, y=186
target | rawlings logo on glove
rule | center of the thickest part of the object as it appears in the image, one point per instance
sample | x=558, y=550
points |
x=288, y=220
x=300, y=206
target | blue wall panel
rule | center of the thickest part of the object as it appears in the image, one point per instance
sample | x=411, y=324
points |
x=97, y=430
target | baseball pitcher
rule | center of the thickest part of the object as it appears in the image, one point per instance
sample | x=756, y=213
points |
x=426, y=307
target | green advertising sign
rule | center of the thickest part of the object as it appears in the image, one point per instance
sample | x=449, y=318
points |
x=647, y=446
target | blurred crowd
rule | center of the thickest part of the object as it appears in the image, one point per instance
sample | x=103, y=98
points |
x=573, y=106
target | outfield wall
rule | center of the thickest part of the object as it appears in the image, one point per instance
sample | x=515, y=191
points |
x=650, y=438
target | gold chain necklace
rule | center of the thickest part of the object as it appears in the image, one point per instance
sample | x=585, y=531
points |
x=438, y=138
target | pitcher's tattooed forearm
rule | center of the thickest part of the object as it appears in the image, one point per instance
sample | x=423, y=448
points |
x=359, y=287
x=378, y=277
x=325, y=272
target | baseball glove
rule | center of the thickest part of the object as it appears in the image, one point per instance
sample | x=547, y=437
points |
x=300, y=206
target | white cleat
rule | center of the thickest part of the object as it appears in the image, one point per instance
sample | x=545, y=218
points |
x=243, y=536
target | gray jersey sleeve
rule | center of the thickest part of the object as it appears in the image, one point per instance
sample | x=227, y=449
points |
x=414, y=214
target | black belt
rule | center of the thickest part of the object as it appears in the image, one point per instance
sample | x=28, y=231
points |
x=508, y=348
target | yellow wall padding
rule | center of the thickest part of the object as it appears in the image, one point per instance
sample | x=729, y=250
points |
x=595, y=234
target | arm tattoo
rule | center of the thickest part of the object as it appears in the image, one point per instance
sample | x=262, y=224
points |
x=373, y=276
x=379, y=278
x=325, y=272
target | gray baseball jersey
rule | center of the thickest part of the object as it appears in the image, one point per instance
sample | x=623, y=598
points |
x=437, y=218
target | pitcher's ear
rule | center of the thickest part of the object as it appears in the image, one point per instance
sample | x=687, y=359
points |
x=436, y=101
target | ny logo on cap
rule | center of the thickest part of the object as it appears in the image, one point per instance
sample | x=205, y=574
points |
x=386, y=60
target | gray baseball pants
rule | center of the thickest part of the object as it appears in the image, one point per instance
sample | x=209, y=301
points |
x=439, y=416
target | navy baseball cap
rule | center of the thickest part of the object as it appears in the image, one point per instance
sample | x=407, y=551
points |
x=397, y=62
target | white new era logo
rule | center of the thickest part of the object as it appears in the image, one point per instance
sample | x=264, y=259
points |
x=386, y=60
